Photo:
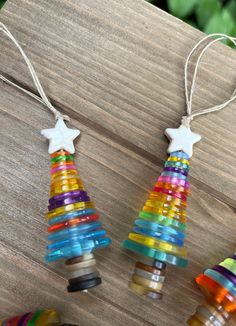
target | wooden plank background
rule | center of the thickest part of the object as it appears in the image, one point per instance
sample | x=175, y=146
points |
x=116, y=67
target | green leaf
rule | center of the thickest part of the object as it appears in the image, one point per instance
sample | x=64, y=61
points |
x=2, y=2
x=220, y=23
x=191, y=22
x=233, y=33
x=205, y=10
x=181, y=8
x=231, y=7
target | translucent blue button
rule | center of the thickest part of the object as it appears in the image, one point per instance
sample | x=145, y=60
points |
x=78, y=249
x=159, y=235
x=159, y=228
x=219, y=278
x=83, y=228
x=70, y=215
x=174, y=175
x=180, y=154
x=154, y=253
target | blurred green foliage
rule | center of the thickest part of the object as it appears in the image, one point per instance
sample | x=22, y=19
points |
x=210, y=16
x=2, y=3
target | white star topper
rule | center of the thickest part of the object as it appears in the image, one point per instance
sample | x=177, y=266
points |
x=182, y=139
x=60, y=137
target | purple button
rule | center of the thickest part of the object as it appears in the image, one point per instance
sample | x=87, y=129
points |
x=71, y=194
x=24, y=319
x=68, y=201
x=225, y=272
x=172, y=169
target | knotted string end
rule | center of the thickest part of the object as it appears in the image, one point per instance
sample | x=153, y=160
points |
x=186, y=120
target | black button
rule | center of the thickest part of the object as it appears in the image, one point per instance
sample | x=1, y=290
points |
x=83, y=278
x=80, y=286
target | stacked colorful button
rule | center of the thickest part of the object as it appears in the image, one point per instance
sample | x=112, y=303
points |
x=38, y=318
x=219, y=286
x=148, y=279
x=159, y=231
x=74, y=227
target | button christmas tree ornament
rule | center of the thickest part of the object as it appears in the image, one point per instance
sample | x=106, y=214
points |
x=218, y=284
x=75, y=231
x=74, y=228
x=158, y=233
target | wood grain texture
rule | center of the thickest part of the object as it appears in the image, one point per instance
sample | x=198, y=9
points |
x=116, y=67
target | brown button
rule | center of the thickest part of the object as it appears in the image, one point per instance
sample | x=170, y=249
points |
x=150, y=269
x=148, y=275
x=80, y=265
x=74, y=260
x=79, y=259
x=151, y=285
x=81, y=271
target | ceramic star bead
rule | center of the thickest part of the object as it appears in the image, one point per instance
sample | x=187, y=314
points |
x=60, y=137
x=182, y=139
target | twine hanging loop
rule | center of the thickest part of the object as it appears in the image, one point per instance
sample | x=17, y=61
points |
x=189, y=90
x=42, y=98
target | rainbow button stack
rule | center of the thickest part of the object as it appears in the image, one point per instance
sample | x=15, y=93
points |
x=38, y=318
x=219, y=286
x=75, y=231
x=159, y=231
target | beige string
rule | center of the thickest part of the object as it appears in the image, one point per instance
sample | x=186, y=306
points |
x=42, y=98
x=186, y=120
